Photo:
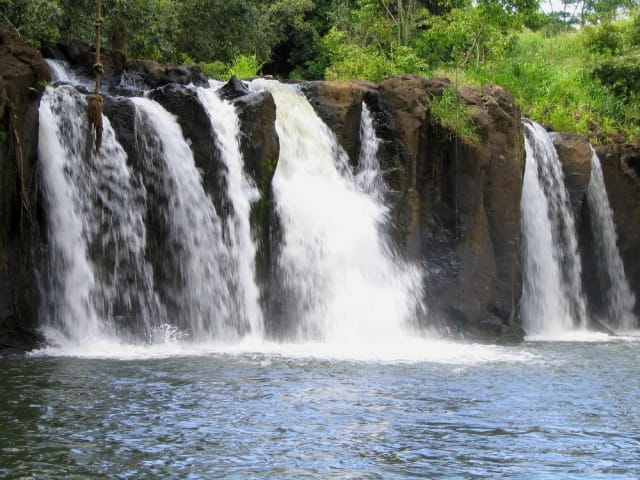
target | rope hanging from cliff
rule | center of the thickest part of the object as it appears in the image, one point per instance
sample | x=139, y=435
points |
x=94, y=109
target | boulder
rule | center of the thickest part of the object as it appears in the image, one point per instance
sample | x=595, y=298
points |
x=234, y=88
x=155, y=74
x=339, y=104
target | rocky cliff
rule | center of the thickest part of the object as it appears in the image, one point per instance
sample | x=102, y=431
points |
x=454, y=205
x=22, y=71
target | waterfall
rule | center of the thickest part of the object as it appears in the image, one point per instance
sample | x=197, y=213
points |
x=368, y=175
x=242, y=193
x=138, y=250
x=552, y=299
x=100, y=284
x=337, y=271
x=620, y=300
x=61, y=72
x=200, y=289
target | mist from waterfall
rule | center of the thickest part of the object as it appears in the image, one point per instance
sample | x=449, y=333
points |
x=553, y=303
x=619, y=299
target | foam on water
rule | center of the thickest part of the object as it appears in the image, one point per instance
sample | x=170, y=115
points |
x=416, y=350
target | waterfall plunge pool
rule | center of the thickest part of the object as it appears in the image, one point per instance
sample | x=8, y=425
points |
x=536, y=410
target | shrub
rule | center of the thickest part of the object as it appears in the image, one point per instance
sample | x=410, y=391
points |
x=452, y=114
x=216, y=70
x=603, y=40
x=245, y=66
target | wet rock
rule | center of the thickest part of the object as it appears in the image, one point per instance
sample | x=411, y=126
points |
x=233, y=89
x=260, y=148
x=339, y=104
x=620, y=164
x=575, y=154
x=196, y=126
x=22, y=73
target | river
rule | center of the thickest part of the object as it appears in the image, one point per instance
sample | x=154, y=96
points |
x=535, y=410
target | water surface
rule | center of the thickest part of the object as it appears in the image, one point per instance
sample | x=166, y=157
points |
x=538, y=410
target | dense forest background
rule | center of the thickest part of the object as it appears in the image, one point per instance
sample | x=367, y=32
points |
x=571, y=64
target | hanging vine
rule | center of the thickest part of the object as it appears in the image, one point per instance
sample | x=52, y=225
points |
x=94, y=109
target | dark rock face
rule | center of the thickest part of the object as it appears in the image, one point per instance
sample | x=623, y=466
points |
x=339, y=104
x=260, y=148
x=620, y=164
x=22, y=68
x=575, y=154
x=456, y=206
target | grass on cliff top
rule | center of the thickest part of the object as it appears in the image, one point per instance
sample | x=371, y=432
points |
x=552, y=80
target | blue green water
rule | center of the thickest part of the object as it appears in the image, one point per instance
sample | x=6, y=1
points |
x=538, y=410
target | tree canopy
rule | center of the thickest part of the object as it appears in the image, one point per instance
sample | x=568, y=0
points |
x=567, y=61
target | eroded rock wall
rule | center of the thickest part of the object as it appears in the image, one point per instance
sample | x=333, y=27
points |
x=456, y=206
x=22, y=73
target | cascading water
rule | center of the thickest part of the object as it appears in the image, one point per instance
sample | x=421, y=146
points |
x=60, y=72
x=201, y=289
x=368, y=175
x=101, y=285
x=195, y=278
x=552, y=300
x=620, y=300
x=342, y=280
x=242, y=193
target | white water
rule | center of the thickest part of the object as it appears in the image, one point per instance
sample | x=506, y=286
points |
x=620, y=300
x=242, y=193
x=60, y=72
x=553, y=304
x=96, y=228
x=202, y=292
x=368, y=175
x=353, y=297
x=348, y=285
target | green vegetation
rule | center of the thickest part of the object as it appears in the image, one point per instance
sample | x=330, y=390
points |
x=454, y=115
x=576, y=68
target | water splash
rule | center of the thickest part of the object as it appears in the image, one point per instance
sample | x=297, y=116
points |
x=620, y=300
x=552, y=300
x=343, y=281
x=100, y=284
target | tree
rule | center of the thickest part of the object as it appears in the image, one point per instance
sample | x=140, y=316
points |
x=36, y=21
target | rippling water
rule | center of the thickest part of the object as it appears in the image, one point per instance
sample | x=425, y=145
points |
x=538, y=410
